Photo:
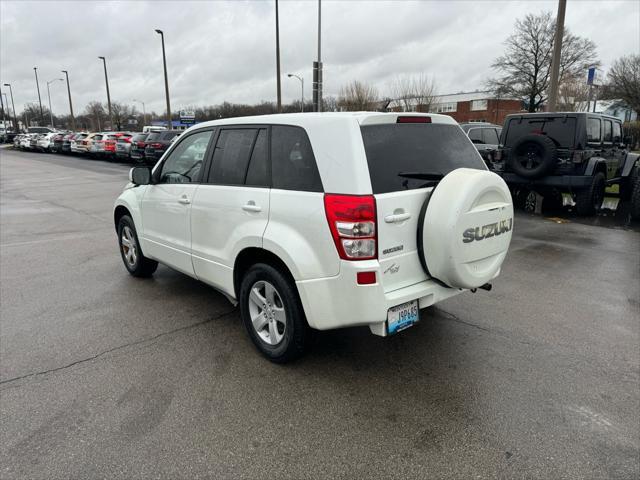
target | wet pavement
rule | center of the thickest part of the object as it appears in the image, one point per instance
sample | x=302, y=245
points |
x=105, y=375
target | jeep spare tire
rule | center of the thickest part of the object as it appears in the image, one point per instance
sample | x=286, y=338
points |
x=533, y=156
x=465, y=228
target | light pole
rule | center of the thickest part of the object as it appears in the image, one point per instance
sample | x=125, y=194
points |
x=317, y=67
x=557, y=53
x=302, y=87
x=106, y=79
x=166, y=80
x=4, y=113
x=49, y=96
x=144, y=112
x=73, y=121
x=279, y=93
x=13, y=106
x=35, y=70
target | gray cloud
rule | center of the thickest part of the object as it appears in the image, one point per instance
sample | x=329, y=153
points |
x=220, y=51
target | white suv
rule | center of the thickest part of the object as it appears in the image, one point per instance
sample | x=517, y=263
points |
x=320, y=220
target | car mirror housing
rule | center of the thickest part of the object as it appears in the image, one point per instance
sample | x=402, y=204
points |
x=140, y=175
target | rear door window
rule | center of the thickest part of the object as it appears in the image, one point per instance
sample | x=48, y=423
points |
x=607, y=131
x=231, y=156
x=293, y=165
x=593, y=130
x=258, y=170
x=562, y=130
x=435, y=149
x=617, y=132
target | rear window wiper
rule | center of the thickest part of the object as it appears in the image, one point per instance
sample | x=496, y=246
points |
x=432, y=178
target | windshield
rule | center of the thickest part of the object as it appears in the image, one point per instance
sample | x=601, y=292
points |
x=407, y=156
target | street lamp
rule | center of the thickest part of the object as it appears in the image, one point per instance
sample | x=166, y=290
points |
x=106, y=79
x=73, y=121
x=49, y=96
x=13, y=106
x=35, y=70
x=144, y=112
x=166, y=80
x=302, y=86
x=4, y=112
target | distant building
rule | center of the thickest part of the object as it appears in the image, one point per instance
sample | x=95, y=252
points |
x=466, y=107
x=615, y=108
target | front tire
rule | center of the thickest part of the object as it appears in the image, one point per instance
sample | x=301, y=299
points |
x=589, y=200
x=134, y=260
x=272, y=314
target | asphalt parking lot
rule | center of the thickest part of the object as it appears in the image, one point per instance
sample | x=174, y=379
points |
x=104, y=375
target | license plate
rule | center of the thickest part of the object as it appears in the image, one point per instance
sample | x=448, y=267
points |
x=402, y=316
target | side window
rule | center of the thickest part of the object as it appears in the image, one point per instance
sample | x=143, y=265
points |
x=617, y=132
x=231, y=156
x=293, y=166
x=185, y=161
x=593, y=130
x=258, y=171
x=475, y=134
x=606, y=136
x=490, y=136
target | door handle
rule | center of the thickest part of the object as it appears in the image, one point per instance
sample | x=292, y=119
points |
x=397, y=217
x=251, y=206
x=184, y=200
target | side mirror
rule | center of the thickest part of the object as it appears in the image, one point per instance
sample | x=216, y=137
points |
x=140, y=175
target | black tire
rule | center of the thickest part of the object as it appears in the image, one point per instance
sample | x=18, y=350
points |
x=589, y=199
x=141, y=266
x=524, y=199
x=296, y=332
x=533, y=156
x=635, y=197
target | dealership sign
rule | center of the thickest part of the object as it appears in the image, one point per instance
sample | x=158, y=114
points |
x=187, y=116
x=594, y=77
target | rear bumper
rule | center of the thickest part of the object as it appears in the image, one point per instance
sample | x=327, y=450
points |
x=559, y=181
x=336, y=302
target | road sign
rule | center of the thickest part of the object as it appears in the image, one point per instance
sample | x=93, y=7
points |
x=594, y=77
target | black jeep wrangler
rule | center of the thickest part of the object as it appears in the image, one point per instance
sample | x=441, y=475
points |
x=576, y=153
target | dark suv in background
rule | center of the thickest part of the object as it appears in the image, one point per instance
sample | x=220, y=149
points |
x=485, y=137
x=576, y=153
x=156, y=144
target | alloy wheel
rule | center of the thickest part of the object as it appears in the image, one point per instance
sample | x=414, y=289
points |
x=267, y=313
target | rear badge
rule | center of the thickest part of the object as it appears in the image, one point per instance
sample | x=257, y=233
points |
x=487, y=231
x=393, y=268
x=398, y=248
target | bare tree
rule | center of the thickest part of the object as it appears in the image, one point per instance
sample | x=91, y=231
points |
x=358, y=96
x=574, y=96
x=31, y=111
x=121, y=112
x=525, y=67
x=624, y=81
x=95, y=112
x=413, y=93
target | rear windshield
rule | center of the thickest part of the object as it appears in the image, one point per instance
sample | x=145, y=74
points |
x=415, y=148
x=80, y=136
x=153, y=136
x=166, y=136
x=140, y=137
x=562, y=130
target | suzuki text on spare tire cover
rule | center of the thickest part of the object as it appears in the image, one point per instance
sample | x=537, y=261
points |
x=320, y=221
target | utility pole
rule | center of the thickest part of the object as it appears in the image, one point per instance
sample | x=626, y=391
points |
x=144, y=111
x=279, y=92
x=73, y=121
x=106, y=79
x=13, y=106
x=4, y=118
x=317, y=67
x=35, y=70
x=166, y=81
x=557, y=53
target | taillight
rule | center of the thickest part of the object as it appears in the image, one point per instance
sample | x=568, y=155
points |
x=352, y=221
x=156, y=145
x=127, y=139
x=413, y=119
x=140, y=144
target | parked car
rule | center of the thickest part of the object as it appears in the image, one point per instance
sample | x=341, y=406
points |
x=25, y=141
x=123, y=146
x=66, y=143
x=575, y=153
x=16, y=141
x=33, y=141
x=44, y=141
x=75, y=146
x=306, y=223
x=84, y=145
x=109, y=145
x=96, y=149
x=157, y=143
x=56, y=145
x=136, y=150
x=485, y=137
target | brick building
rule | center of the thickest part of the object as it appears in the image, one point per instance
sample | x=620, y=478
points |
x=467, y=107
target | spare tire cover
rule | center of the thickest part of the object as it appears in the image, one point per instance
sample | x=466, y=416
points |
x=467, y=227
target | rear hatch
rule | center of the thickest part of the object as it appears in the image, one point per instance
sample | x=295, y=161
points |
x=405, y=162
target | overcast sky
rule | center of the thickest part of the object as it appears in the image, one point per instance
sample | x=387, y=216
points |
x=219, y=50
